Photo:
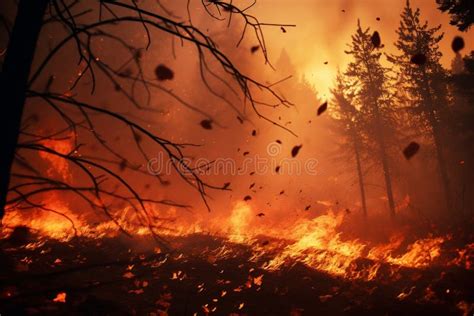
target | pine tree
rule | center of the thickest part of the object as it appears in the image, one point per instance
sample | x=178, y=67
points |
x=349, y=123
x=424, y=82
x=372, y=97
x=461, y=12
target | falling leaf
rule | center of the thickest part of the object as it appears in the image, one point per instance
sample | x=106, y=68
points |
x=241, y=305
x=254, y=133
x=307, y=207
x=377, y=18
x=246, y=153
x=254, y=49
x=226, y=185
x=278, y=141
x=252, y=185
x=261, y=214
x=457, y=44
x=60, y=297
x=326, y=62
x=418, y=59
x=206, y=124
x=282, y=192
x=283, y=29
x=375, y=39
x=295, y=151
x=247, y=198
x=163, y=73
x=277, y=169
x=322, y=108
x=343, y=11
x=411, y=150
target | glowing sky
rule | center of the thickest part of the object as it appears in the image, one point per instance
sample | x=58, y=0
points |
x=323, y=30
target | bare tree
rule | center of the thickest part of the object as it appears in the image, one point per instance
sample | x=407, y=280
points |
x=83, y=23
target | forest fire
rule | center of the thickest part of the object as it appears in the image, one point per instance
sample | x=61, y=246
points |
x=316, y=243
x=211, y=157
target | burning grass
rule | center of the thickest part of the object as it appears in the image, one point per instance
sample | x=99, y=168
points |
x=242, y=268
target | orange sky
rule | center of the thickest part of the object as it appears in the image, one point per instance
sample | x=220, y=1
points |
x=323, y=30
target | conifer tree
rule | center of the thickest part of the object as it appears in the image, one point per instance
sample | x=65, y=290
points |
x=349, y=123
x=372, y=96
x=424, y=80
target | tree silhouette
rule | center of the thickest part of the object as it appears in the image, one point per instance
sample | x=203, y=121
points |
x=425, y=83
x=22, y=181
x=372, y=97
x=350, y=124
x=461, y=12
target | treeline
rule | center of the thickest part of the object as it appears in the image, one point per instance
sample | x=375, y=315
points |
x=405, y=111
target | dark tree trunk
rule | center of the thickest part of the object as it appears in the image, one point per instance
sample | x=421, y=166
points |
x=443, y=170
x=388, y=179
x=433, y=121
x=359, y=172
x=13, y=83
x=384, y=160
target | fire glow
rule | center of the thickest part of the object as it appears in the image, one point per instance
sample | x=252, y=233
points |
x=315, y=243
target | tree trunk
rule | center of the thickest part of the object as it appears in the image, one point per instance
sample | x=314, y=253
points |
x=359, y=173
x=443, y=171
x=13, y=83
x=441, y=162
x=388, y=179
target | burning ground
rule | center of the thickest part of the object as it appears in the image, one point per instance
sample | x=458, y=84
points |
x=238, y=269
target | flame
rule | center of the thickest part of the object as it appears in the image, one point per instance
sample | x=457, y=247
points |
x=239, y=222
x=58, y=165
x=316, y=243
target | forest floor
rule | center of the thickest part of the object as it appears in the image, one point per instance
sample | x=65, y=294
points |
x=208, y=275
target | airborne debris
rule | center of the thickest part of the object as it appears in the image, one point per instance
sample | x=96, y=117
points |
x=206, y=124
x=254, y=49
x=295, y=150
x=375, y=39
x=322, y=108
x=457, y=44
x=411, y=150
x=163, y=73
